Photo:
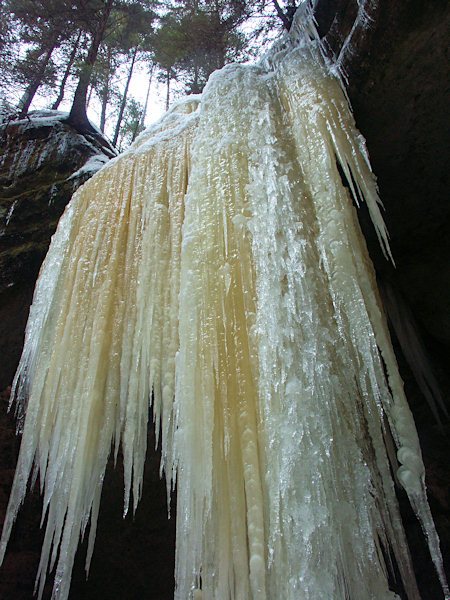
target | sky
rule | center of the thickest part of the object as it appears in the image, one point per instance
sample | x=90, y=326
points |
x=138, y=89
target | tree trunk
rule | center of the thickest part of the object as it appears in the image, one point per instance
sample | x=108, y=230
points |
x=105, y=92
x=27, y=98
x=69, y=65
x=104, y=98
x=168, y=89
x=286, y=23
x=78, y=117
x=144, y=110
x=124, y=97
x=195, y=89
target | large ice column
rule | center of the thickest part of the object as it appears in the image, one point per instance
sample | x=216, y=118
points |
x=328, y=139
x=264, y=340
x=217, y=269
x=220, y=520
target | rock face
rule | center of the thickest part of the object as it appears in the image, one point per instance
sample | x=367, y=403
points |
x=134, y=558
x=42, y=162
x=398, y=86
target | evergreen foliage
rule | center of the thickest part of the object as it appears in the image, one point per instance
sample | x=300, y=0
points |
x=80, y=49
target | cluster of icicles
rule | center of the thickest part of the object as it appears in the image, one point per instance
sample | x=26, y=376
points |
x=217, y=271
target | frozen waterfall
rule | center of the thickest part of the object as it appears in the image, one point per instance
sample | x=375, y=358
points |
x=216, y=270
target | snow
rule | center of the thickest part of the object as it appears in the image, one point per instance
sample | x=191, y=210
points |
x=39, y=118
x=91, y=166
x=10, y=212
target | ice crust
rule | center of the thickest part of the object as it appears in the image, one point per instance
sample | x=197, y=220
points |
x=218, y=267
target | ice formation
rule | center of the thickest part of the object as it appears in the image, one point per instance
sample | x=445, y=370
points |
x=217, y=270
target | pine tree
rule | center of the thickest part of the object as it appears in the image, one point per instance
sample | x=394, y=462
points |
x=68, y=68
x=131, y=124
x=95, y=14
x=140, y=125
x=103, y=19
x=43, y=24
x=196, y=38
x=133, y=37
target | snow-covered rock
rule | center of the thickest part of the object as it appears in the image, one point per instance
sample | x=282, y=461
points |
x=42, y=162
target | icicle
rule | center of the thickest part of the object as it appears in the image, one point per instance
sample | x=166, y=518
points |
x=93, y=351
x=406, y=331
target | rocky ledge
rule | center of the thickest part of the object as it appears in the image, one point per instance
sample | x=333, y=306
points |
x=42, y=162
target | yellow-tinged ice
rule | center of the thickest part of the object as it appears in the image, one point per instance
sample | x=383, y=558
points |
x=217, y=269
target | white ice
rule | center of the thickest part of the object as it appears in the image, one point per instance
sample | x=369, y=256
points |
x=217, y=269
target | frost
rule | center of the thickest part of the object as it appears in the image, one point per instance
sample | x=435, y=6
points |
x=218, y=266
x=10, y=212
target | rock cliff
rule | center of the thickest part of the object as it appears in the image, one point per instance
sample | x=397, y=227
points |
x=42, y=162
x=398, y=85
